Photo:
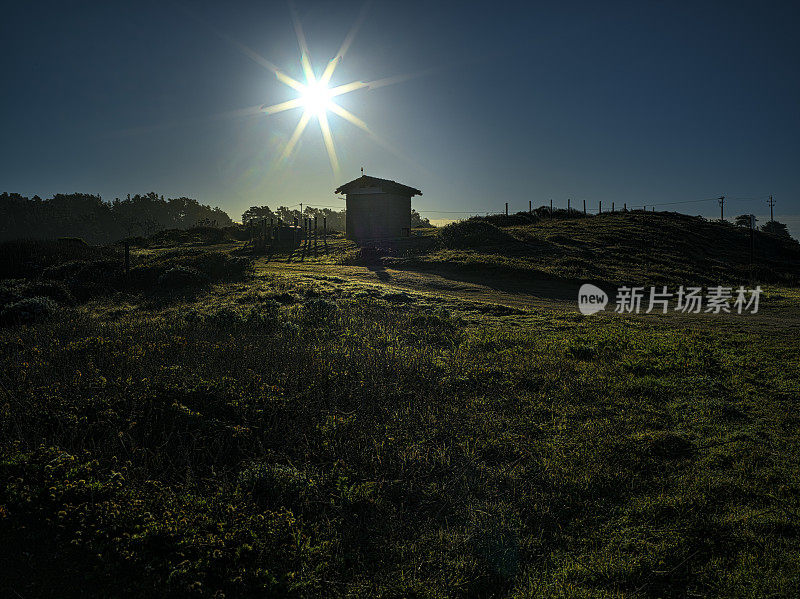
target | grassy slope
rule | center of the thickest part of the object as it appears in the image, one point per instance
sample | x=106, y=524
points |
x=314, y=436
x=631, y=248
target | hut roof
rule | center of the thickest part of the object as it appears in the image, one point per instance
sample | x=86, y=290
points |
x=384, y=184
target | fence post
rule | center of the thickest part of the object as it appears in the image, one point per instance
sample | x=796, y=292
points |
x=127, y=258
x=568, y=205
x=584, y=207
x=506, y=208
x=315, y=232
x=625, y=207
x=530, y=207
x=612, y=206
x=600, y=207
x=325, y=229
x=551, y=206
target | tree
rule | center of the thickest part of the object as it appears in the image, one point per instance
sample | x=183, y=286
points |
x=257, y=213
x=418, y=221
x=287, y=215
x=89, y=217
x=744, y=220
x=776, y=228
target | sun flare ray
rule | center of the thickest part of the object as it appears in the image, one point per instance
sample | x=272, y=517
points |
x=349, y=116
x=298, y=131
x=276, y=108
x=326, y=135
x=316, y=94
x=308, y=71
x=334, y=62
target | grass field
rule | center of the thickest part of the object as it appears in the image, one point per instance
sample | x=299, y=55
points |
x=400, y=424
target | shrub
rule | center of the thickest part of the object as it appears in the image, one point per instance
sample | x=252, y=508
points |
x=55, y=290
x=86, y=278
x=319, y=309
x=204, y=267
x=201, y=235
x=182, y=277
x=14, y=290
x=75, y=243
x=27, y=310
x=9, y=292
x=276, y=483
x=470, y=233
x=29, y=257
x=503, y=220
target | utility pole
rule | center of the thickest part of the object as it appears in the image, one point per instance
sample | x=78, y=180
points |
x=721, y=201
x=771, y=203
x=752, y=244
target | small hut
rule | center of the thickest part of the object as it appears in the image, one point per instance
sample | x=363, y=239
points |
x=377, y=208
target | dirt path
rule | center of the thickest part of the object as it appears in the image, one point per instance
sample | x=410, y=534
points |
x=442, y=285
x=464, y=288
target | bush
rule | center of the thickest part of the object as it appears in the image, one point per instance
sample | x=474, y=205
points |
x=86, y=278
x=509, y=220
x=75, y=243
x=29, y=257
x=276, y=483
x=182, y=277
x=13, y=290
x=470, y=233
x=27, y=310
x=319, y=309
x=201, y=235
x=211, y=266
x=9, y=292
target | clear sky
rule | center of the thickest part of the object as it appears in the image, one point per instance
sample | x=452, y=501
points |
x=637, y=102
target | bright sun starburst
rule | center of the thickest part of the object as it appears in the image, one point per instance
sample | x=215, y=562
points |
x=316, y=96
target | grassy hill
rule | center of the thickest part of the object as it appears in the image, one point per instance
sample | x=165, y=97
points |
x=618, y=248
x=212, y=427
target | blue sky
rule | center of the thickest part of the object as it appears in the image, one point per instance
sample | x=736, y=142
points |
x=635, y=102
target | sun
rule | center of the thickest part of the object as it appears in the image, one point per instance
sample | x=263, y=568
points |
x=316, y=98
x=316, y=95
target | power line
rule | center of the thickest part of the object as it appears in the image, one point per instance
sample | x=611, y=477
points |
x=454, y=211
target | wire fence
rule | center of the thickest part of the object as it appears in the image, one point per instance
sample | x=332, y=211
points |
x=578, y=205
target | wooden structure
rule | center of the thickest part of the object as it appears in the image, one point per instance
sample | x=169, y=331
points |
x=377, y=208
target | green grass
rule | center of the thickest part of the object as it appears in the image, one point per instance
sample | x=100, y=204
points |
x=289, y=431
x=288, y=436
x=617, y=248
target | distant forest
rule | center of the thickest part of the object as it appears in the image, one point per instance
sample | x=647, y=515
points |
x=95, y=221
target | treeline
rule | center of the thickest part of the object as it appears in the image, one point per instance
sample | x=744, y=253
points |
x=95, y=221
x=335, y=218
x=772, y=226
